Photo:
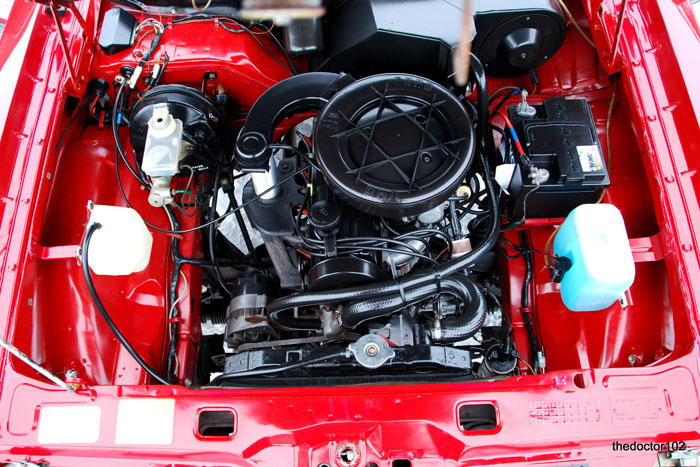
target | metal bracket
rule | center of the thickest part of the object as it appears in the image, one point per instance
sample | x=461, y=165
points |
x=618, y=32
x=75, y=83
x=647, y=248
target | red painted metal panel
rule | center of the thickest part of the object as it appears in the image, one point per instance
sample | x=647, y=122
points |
x=589, y=397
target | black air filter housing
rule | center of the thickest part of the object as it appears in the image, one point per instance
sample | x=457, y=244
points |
x=394, y=144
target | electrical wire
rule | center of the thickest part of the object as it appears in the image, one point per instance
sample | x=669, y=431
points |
x=548, y=244
x=507, y=150
x=358, y=244
x=116, y=121
x=296, y=151
x=194, y=5
x=158, y=29
x=430, y=233
x=227, y=23
x=241, y=221
x=526, y=363
x=352, y=249
x=568, y=14
x=213, y=221
x=179, y=298
x=522, y=252
x=607, y=136
x=517, y=223
x=222, y=21
x=279, y=44
x=503, y=100
x=521, y=152
x=505, y=322
x=525, y=298
x=173, y=322
x=212, y=236
x=70, y=123
x=388, y=227
x=187, y=194
x=611, y=106
x=166, y=59
x=171, y=316
x=92, y=228
x=516, y=90
x=316, y=247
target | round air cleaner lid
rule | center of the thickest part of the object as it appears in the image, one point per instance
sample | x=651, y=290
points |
x=394, y=144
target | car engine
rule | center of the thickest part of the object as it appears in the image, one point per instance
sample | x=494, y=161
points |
x=359, y=210
x=332, y=205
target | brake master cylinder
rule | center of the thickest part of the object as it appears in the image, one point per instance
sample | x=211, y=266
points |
x=162, y=153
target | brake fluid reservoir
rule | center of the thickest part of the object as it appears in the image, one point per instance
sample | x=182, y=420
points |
x=594, y=238
x=161, y=153
x=122, y=245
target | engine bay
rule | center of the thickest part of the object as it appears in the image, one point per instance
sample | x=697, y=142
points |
x=319, y=203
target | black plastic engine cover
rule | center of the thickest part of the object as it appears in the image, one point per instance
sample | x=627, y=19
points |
x=271, y=217
x=367, y=37
x=394, y=145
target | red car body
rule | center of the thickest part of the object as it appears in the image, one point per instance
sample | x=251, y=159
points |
x=589, y=398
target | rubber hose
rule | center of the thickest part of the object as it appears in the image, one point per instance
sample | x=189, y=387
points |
x=358, y=312
x=468, y=321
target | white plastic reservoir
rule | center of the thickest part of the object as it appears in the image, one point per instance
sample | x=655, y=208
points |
x=122, y=245
x=161, y=153
x=594, y=238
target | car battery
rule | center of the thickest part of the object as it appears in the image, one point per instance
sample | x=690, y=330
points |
x=561, y=137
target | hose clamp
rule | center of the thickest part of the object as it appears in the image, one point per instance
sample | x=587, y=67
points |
x=437, y=329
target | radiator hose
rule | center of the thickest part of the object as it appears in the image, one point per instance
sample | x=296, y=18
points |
x=447, y=330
